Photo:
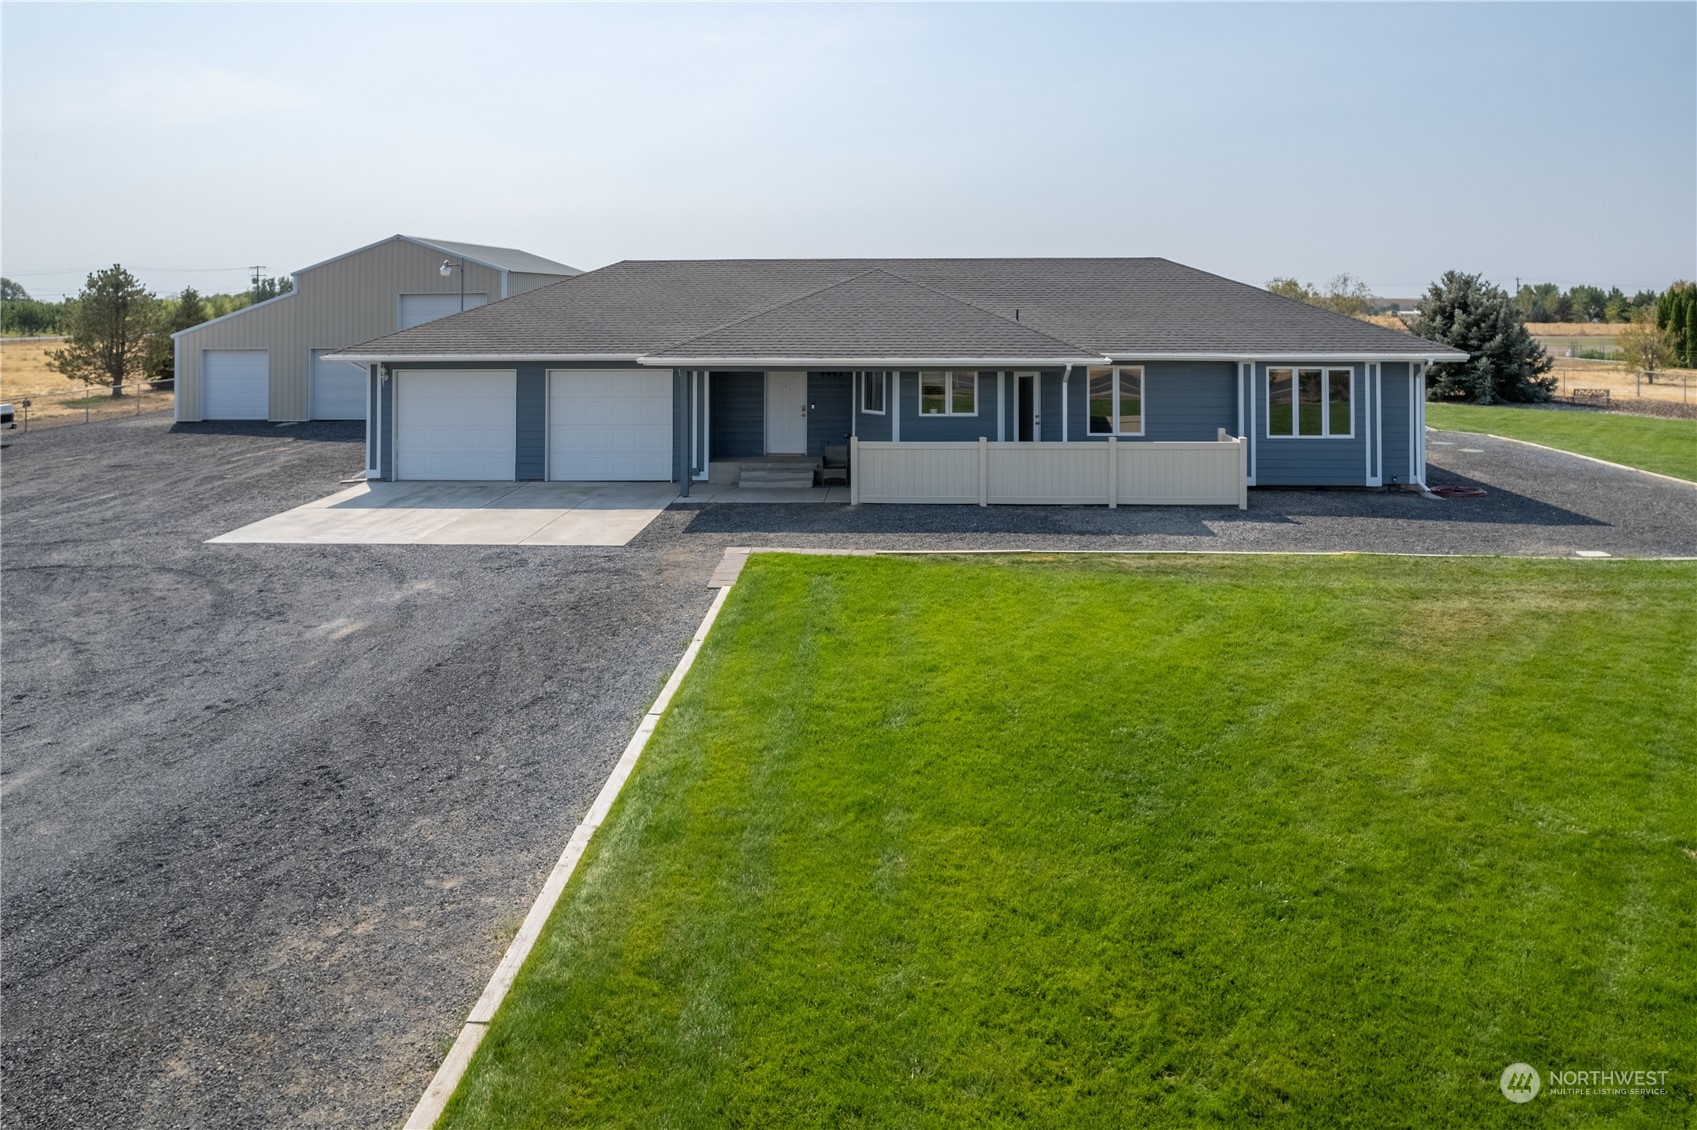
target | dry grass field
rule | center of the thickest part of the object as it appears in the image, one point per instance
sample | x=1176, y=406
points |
x=1677, y=385
x=1575, y=329
x=53, y=398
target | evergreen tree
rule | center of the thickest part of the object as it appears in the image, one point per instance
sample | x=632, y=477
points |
x=110, y=323
x=1676, y=312
x=179, y=313
x=1505, y=363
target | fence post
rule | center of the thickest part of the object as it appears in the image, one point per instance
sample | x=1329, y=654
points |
x=854, y=470
x=983, y=471
x=1242, y=473
x=1113, y=472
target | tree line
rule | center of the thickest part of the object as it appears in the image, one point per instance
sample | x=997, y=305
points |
x=1547, y=302
x=115, y=329
x=1506, y=364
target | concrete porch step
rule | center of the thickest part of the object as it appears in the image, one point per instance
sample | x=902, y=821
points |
x=773, y=478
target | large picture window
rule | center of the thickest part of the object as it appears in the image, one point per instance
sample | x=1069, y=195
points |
x=1116, y=401
x=1310, y=402
x=872, y=393
x=948, y=394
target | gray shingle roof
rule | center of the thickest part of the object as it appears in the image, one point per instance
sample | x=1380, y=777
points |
x=874, y=315
x=1126, y=308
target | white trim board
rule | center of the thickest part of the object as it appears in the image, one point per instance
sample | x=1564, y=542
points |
x=448, y=1076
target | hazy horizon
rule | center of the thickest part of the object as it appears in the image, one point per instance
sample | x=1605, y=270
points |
x=1553, y=142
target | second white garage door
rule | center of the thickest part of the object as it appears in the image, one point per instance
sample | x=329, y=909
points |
x=235, y=384
x=458, y=424
x=338, y=389
x=609, y=424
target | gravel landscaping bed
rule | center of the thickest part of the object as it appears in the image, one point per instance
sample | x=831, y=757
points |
x=272, y=812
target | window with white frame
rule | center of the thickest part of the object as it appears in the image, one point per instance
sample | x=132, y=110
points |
x=1116, y=401
x=872, y=393
x=1304, y=402
x=953, y=393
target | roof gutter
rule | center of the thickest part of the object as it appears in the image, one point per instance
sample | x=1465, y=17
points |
x=1297, y=358
x=416, y=358
x=865, y=362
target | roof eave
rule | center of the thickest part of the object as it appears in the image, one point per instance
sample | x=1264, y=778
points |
x=367, y=358
x=1429, y=356
x=868, y=362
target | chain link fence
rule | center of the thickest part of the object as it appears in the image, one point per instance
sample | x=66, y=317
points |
x=92, y=403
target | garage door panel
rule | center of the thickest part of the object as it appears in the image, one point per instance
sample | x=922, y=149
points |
x=609, y=424
x=338, y=389
x=456, y=425
x=416, y=309
x=235, y=384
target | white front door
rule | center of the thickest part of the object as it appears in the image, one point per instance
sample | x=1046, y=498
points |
x=786, y=413
x=456, y=425
x=610, y=424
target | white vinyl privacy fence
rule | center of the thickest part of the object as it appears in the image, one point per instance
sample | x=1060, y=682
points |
x=1098, y=473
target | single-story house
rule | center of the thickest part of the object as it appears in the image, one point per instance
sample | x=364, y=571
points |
x=267, y=361
x=943, y=375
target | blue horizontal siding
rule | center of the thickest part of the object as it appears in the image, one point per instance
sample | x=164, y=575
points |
x=1295, y=461
x=828, y=410
x=1182, y=401
x=736, y=409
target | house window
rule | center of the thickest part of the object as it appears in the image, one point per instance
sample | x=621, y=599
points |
x=1116, y=401
x=872, y=393
x=948, y=394
x=1310, y=402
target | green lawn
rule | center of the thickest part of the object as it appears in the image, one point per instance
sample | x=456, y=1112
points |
x=1648, y=442
x=1120, y=841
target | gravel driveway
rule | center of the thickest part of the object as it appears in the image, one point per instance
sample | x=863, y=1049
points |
x=271, y=812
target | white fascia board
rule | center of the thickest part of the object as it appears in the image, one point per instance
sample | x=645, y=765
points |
x=1294, y=358
x=864, y=362
x=415, y=358
x=237, y=313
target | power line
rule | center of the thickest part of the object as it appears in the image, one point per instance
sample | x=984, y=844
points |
x=169, y=270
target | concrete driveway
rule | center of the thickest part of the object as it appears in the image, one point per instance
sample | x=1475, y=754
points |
x=467, y=513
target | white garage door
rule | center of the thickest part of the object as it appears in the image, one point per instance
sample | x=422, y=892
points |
x=338, y=389
x=455, y=425
x=235, y=384
x=417, y=309
x=609, y=424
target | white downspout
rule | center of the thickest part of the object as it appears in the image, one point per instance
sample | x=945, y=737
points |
x=1420, y=425
x=1066, y=375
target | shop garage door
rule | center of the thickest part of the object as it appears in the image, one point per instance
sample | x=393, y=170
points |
x=455, y=424
x=417, y=309
x=235, y=384
x=609, y=424
x=338, y=389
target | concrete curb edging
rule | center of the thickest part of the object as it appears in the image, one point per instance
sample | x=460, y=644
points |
x=448, y=1076
x=1575, y=454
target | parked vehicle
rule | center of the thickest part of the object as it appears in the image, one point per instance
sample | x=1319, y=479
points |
x=6, y=416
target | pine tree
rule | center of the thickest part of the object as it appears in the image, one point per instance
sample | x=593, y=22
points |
x=110, y=324
x=1505, y=363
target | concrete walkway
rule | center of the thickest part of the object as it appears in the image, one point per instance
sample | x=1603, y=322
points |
x=467, y=513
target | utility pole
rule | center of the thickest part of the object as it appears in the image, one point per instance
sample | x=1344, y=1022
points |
x=258, y=274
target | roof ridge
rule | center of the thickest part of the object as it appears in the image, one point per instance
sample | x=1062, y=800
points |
x=991, y=313
x=661, y=350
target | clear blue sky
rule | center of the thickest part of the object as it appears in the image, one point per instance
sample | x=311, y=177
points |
x=1549, y=141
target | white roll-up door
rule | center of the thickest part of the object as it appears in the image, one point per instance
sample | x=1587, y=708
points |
x=609, y=424
x=338, y=389
x=416, y=309
x=235, y=384
x=460, y=424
